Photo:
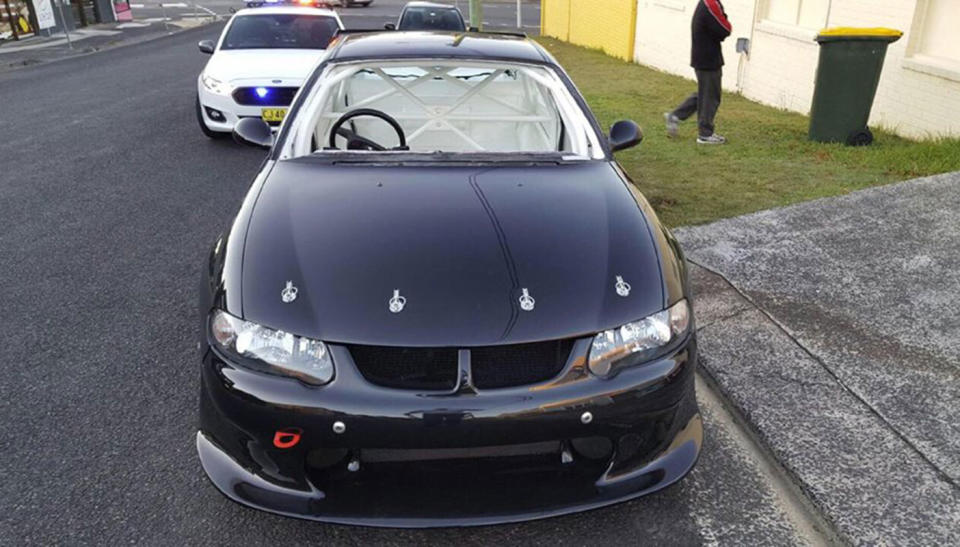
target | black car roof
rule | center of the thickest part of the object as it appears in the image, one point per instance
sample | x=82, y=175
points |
x=355, y=46
x=429, y=5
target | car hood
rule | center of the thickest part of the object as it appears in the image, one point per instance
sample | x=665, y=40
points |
x=460, y=244
x=263, y=64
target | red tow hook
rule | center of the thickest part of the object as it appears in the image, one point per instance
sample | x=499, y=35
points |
x=287, y=438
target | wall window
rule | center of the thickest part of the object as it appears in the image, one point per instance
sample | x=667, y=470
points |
x=809, y=14
x=935, y=30
x=934, y=46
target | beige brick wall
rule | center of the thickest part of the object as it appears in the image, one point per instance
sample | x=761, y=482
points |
x=782, y=65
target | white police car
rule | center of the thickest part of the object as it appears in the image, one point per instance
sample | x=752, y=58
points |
x=259, y=63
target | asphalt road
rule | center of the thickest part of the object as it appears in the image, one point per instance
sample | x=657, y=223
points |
x=109, y=199
x=499, y=15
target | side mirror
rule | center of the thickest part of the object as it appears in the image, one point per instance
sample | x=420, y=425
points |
x=390, y=26
x=625, y=134
x=253, y=132
x=206, y=46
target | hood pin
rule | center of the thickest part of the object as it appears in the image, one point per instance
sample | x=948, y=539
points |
x=396, y=303
x=289, y=293
x=526, y=301
x=623, y=288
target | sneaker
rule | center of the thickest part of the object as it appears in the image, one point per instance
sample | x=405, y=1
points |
x=672, y=123
x=712, y=139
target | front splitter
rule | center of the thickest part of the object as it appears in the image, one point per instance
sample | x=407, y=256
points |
x=247, y=488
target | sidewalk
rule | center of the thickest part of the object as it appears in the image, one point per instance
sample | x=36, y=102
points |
x=40, y=49
x=833, y=327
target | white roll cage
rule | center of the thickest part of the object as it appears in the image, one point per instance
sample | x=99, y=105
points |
x=304, y=130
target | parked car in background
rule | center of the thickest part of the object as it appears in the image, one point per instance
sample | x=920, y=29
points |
x=442, y=301
x=429, y=16
x=258, y=64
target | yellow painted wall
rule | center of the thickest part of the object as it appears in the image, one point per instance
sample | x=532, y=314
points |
x=604, y=24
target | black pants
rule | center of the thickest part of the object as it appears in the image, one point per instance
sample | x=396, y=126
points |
x=704, y=102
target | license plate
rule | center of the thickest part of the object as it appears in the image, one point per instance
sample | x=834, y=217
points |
x=273, y=114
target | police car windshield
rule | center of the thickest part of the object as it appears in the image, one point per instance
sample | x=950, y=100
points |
x=280, y=31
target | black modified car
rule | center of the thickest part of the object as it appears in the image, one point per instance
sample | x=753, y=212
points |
x=442, y=301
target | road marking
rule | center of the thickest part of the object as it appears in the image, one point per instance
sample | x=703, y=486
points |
x=176, y=5
x=136, y=5
x=132, y=25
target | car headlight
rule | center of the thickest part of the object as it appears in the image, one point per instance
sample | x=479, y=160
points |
x=638, y=341
x=272, y=350
x=214, y=85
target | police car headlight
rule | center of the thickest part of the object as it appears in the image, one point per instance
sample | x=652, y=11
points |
x=214, y=85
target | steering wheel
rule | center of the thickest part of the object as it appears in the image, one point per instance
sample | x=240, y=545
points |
x=356, y=142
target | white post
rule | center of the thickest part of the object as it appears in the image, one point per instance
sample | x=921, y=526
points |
x=476, y=14
x=519, y=17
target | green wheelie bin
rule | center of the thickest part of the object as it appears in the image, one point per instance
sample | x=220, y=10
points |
x=851, y=60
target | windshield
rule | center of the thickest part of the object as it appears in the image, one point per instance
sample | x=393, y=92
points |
x=430, y=18
x=281, y=31
x=445, y=107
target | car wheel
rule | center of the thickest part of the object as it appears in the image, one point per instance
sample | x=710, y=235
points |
x=203, y=125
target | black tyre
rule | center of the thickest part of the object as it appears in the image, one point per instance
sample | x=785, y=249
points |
x=203, y=125
x=860, y=137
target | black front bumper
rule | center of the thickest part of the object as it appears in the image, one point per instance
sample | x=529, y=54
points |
x=428, y=459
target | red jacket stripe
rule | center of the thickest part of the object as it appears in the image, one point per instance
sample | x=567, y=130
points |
x=717, y=12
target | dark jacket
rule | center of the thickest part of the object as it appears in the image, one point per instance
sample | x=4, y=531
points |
x=710, y=27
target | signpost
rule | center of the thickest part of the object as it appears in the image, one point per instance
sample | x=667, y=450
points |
x=63, y=21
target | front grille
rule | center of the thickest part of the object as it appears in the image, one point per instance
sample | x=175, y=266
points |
x=491, y=367
x=371, y=455
x=518, y=364
x=273, y=96
x=407, y=368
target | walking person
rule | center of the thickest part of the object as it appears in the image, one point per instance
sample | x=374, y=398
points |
x=710, y=27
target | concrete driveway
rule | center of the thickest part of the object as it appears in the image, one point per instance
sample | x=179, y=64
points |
x=834, y=327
